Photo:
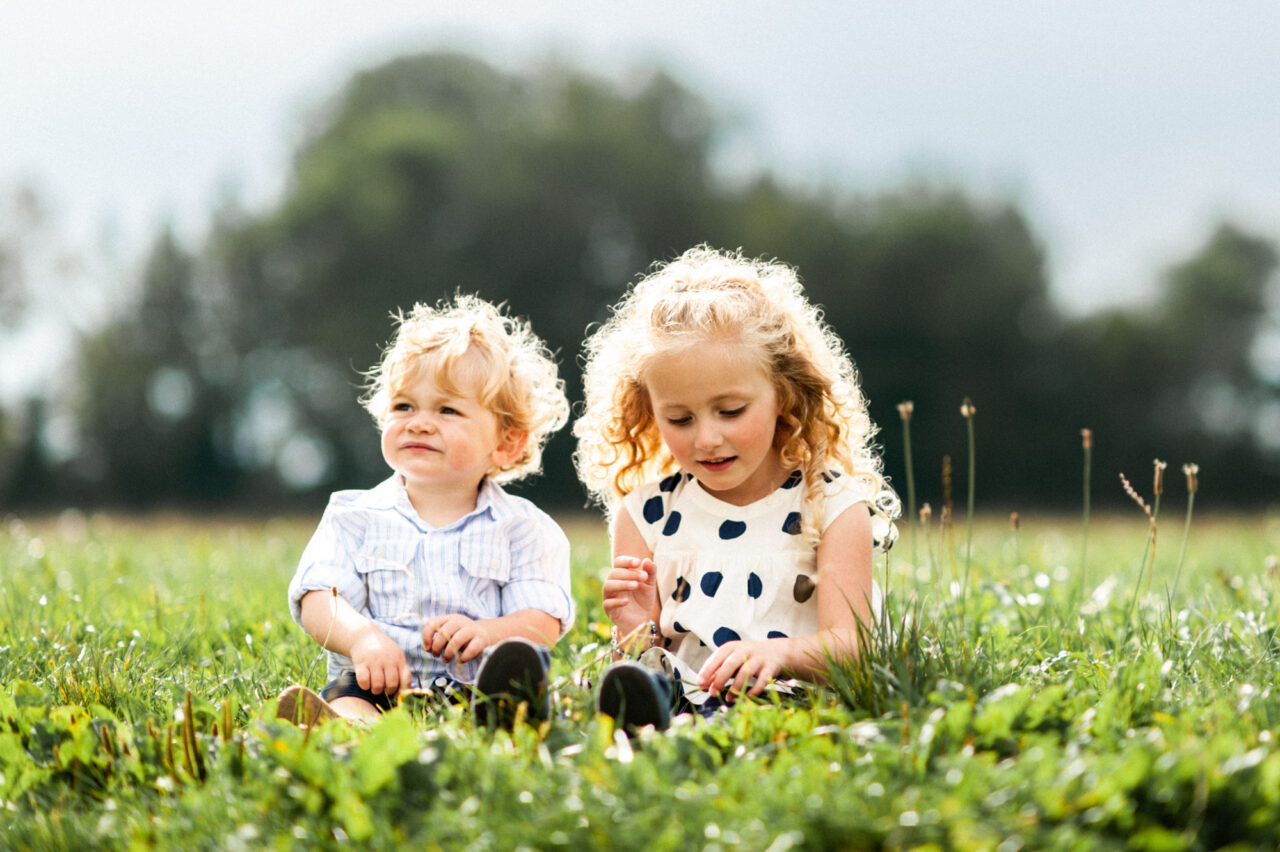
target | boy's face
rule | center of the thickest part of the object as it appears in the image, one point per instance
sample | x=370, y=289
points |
x=443, y=443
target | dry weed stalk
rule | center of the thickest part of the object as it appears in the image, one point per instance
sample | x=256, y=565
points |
x=905, y=410
x=967, y=411
x=1192, y=472
x=1086, y=441
x=1015, y=524
x=1151, y=540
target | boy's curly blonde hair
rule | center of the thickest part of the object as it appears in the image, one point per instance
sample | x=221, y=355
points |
x=704, y=295
x=470, y=348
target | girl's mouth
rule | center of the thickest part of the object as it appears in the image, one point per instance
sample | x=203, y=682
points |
x=717, y=464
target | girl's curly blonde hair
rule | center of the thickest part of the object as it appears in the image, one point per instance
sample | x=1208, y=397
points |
x=704, y=295
x=469, y=348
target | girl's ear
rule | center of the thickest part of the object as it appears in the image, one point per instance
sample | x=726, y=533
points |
x=511, y=444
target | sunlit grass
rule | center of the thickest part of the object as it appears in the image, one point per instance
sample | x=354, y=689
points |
x=138, y=660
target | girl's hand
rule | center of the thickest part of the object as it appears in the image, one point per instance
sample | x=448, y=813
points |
x=631, y=592
x=746, y=664
x=456, y=636
x=380, y=665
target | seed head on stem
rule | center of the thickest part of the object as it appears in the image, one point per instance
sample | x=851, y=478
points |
x=1192, y=470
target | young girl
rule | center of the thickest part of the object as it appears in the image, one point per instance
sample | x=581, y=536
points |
x=725, y=420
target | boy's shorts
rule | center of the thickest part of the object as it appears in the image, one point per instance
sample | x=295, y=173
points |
x=346, y=685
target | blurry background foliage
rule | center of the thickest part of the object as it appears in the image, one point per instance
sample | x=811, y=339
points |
x=229, y=372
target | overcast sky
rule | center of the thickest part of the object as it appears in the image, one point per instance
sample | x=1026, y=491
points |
x=1124, y=131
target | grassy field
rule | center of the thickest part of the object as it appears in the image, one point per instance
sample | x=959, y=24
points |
x=1006, y=706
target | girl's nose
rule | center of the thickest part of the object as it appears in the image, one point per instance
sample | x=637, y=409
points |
x=707, y=436
x=422, y=422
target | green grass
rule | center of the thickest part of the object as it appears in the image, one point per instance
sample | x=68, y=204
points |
x=138, y=660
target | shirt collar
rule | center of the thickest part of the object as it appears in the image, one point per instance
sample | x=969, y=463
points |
x=391, y=494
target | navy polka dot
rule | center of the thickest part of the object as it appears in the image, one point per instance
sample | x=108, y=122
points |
x=675, y=674
x=803, y=589
x=777, y=634
x=724, y=634
x=754, y=586
x=794, y=479
x=653, y=510
x=672, y=524
x=688, y=477
x=670, y=483
x=682, y=590
x=791, y=526
x=732, y=529
x=679, y=627
x=711, y=583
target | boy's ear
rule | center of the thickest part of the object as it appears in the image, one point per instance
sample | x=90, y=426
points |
x=511, y=444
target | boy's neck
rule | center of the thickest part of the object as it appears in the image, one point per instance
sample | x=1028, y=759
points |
x=441, y=507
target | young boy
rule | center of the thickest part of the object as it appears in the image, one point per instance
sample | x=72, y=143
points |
x=437, y=578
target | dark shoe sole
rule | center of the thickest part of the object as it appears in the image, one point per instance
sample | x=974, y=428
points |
x=630, y=694
x=513, y=674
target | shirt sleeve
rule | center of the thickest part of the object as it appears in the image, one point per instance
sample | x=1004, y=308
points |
x=841, y=492
x=328, y=562
x=540, y=575
x=845, y=491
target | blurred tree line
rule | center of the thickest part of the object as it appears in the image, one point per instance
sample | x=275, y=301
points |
x=231, y=378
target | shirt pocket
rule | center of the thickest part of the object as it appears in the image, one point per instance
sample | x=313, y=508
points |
x=493, y=566
x=387, y=568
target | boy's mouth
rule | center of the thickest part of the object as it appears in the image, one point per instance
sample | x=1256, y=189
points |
x=417, y=446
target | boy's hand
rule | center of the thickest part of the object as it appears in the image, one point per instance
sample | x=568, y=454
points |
x=455, y=635
x=380, y=665
x=631, y=592
x=748, y=665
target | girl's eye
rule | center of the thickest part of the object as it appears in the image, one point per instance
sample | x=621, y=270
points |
x=679, y=421
x=734, y=412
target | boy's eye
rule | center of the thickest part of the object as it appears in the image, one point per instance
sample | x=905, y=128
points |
x=448, y=409
x=401, y=406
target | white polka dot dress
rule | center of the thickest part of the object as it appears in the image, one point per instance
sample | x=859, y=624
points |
x=729, y=572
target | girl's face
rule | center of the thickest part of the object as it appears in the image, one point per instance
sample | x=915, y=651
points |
x=717, y=412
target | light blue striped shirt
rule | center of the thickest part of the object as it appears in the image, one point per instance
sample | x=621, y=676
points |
x=394, y=567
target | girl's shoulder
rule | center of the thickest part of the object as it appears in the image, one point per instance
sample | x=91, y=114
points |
x=841, y=490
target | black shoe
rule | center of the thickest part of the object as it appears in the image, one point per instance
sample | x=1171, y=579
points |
x=635, y=697
x=512, y=673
